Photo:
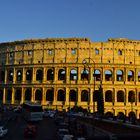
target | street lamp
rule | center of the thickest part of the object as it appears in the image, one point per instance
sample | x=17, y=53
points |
x=87, y=62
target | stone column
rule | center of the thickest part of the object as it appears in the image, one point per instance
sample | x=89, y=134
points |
x=67, y=75
x=79, y=74
x=4, y=96
x=91, y=71
x=5, y=80
x=55, y=75
x=55, y=97
x=67, y=101
x=14, y=75
x=33, y=95
x=33, y=75
x=79, y=96
x=43, y=96
x=22, y=95
x=126, y=97
x=13, y=96
x=44, y=75
x=23, y=75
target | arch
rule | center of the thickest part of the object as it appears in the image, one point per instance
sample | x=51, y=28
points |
x=10, y=75
x=73, y=74
x=130, y=75
x=38, y=95
x=120, y=96
x=50, y=74
x=108, y=75
x=39, y=75
x=1, y=95
x=132, y=114
x=131, y=96
x=19, y=75
x=28, y=94
x=61, y=74
x=120, y=115
x=29, y=75
x=109, y=114
x=84, y=74
x=97, y=75
x=73, y=95
x=108, y=96
x=119, y=75
x=18, y=95
x=61, y=95
x=85, y=96
x=9, y=95
x=50, y=95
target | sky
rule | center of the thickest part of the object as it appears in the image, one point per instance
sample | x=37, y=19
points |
x=97, y=20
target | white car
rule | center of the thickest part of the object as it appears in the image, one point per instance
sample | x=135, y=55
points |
x=3, y=131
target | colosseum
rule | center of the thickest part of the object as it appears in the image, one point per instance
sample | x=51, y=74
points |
x=64, y=72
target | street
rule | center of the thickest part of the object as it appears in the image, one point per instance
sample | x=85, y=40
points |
x=46, y=129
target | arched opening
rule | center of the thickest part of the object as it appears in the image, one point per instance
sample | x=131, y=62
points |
x=61, y=74
x=119, y=75
x=10, y=75
x=50, y=95
x=108, y=75
x=50, y=74
x=38, y=95
x=85, y=96
x=73, y=96
x=109, y=115
x=61, y=95
x=120, y=96
x=1, y=95
x=131, y=96
x=39, y=75
x=97, y=75
x=108, y=96
x=18, y=96
x=28, y=94
x=130, y=75
x=84, y=74
x=121, y=116
x=73, y=74
x=29, y=75
x=19, y=75
x=9, y=96
x=132, y=117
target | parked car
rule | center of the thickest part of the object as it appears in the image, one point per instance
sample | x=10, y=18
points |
x=30, y=131
x=3, y=131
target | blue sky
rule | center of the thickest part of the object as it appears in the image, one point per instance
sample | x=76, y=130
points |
x=94, y=19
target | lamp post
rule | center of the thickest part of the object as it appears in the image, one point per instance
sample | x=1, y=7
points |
x=87, y=62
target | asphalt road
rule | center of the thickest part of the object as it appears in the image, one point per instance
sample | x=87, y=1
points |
x=46, y=129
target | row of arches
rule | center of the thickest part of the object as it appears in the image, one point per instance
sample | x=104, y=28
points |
x=84, y=75
x=73, y=95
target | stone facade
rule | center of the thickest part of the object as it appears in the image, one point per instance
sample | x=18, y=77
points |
x=63, y=72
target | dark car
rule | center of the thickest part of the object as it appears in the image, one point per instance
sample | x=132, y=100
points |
x=30, y=131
